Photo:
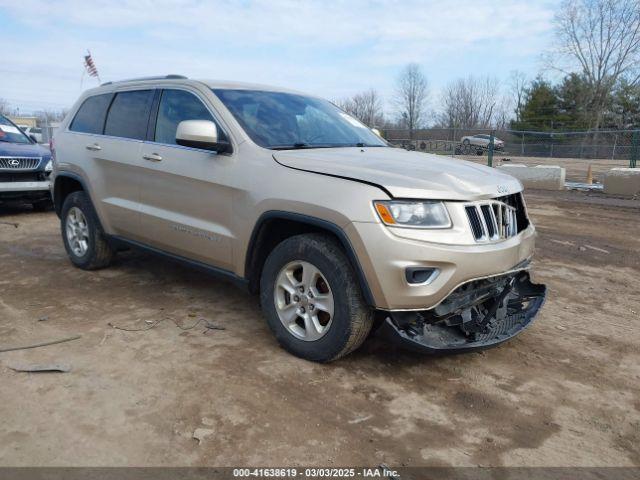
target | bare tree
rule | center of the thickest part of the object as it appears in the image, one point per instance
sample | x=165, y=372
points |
x=411, y=97
x=4, y=107
x=470, y=103
x=47, y=116
x=365, y=106
x=600, y=38
x=518, y=85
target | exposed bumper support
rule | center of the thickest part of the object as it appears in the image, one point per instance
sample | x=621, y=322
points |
x=477, y=315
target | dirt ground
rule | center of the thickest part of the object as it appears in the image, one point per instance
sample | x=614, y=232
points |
x=564, y=393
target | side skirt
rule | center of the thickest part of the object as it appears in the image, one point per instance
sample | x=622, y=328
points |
x=220, y=273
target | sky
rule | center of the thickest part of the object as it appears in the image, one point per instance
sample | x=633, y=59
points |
x=329, y=48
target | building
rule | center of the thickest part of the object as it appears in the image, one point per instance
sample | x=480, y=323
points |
x=23, y=121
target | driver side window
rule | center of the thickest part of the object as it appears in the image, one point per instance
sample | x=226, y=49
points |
x=175, y=107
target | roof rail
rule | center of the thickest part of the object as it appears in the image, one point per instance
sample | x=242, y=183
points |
x=159, y=77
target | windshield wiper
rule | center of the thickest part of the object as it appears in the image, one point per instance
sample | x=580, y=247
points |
x=296, y=146
x=302, y=145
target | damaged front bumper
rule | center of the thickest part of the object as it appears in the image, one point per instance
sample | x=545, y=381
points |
x=477, y=315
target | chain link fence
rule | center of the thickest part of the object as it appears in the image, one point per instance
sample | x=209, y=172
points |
x=576, y=151
x=598, y=145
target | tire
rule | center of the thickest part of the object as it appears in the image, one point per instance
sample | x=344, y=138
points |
x=98, y=253
x=466, y=141
x=351, y=319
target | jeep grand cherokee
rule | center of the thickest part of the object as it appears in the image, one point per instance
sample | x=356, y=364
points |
x=296, y=200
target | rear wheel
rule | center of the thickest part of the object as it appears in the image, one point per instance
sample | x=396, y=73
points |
x=311, y=299
x=82, y=234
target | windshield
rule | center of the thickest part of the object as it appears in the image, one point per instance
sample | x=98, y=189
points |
x=283, y=120
x=10, y=133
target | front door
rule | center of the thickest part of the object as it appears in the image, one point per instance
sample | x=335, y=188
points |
x=185, y=192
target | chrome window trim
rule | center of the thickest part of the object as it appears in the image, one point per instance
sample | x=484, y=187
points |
x=221, y=124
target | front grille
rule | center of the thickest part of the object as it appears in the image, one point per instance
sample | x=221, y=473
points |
x=516, y=200
x=19, y=163
x=497, y=219
x=23, y=177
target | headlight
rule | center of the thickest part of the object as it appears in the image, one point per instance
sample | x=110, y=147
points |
x=420, y=214
x=48, y=167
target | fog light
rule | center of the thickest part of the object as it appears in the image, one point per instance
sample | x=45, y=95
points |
x=421, y=275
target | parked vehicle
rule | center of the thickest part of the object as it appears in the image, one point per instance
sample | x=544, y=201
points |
x=483, y=140
x=35, y=133
x=293, y=199
x=25, y=167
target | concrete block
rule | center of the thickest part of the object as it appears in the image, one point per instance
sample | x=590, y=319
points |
x=543, y=177
x=622, y=181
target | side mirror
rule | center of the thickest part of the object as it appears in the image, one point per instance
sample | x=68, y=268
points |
x=200, y=134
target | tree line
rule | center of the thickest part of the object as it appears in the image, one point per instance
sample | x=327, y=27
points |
x=596, y=51
x=44, y=116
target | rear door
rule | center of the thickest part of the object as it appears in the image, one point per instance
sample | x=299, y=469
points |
x=186, y=191
x=79, y=148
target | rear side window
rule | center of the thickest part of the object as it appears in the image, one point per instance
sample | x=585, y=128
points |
x=176, y=106
x=90, y=116
x=129, y=114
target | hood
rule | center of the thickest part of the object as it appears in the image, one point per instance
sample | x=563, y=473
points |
x=405, y=174
x=23, y=150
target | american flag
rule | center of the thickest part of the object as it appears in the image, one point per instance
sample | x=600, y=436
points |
x=90, y=66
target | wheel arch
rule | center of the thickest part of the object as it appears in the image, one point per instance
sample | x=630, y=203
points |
x=275, y=226
x=65, y=184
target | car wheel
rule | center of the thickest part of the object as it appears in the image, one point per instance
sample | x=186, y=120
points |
x=82, y=234
x=466, y=141
x=312, y=300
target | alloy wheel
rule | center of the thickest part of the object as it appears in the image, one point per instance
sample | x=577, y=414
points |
x=304, y=300
x=77, y=231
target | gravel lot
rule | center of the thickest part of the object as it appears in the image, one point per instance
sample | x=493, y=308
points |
x=564, y=393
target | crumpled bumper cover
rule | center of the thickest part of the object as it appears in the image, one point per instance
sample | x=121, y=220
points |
x=476, y=316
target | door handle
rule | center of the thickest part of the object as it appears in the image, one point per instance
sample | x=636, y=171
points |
x=94, y=148
x=154, y=157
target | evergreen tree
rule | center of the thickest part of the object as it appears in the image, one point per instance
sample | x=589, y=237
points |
x=540, y=109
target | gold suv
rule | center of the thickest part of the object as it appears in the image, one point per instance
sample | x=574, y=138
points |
x=292, y=198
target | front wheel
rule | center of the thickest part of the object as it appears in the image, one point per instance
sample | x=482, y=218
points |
x=312, y=300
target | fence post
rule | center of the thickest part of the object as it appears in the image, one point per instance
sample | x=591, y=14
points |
x=634, y=149
x=453, y=142
x=490, y=154
x=522, y=145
